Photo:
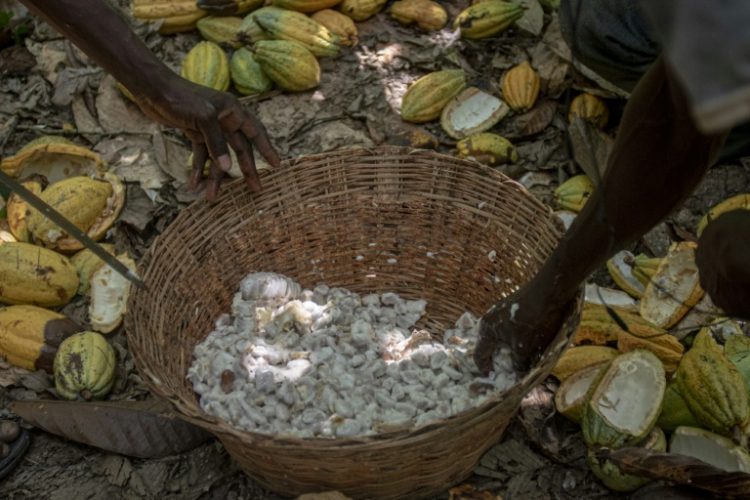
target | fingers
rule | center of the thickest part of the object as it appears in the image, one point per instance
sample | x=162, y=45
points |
x=256, y=132
x=200, y=155
x=213, y=135
x=244, y=152
x=236, y=128
x=215, y=175
x=483, y=353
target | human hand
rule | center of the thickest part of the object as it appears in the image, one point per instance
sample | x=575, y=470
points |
x=521, y=322
x=723, y=260
x=211, y=119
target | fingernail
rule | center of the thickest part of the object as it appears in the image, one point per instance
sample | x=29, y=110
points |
x=225, y=163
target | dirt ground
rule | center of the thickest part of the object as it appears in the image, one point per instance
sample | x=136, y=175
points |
x=49, y=87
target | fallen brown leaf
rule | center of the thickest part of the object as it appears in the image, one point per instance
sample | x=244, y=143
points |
x=143, y=429
x=679, y=469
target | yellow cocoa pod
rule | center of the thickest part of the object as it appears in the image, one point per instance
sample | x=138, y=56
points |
x=34, y=275
x=520, y=86
x=16, y=210
x=247, y=75
x=597, y=326
x=175, y=15
x=712, y=387
x=425, y=99
x=250, y=31
x=306, y=6
x=577, y=358
x=589, y=108
x=338, y=23
x=84, y=367
x=487, y=18
x=426, y=14
x=54, y=158
x=221, y=29
x=667, y=348
x=574, y=193
x=738, y=202
x=297, y=27
x=206, y=64
x=289, y=64
x=487, y=148
x=674, y=410
x=87, y=263
x=361, y=10
x=644, y=267
x=31, y=335
x=92, y=204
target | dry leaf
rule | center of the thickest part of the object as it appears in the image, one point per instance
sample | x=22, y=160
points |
x=591, y=148
x=533, y=19
x=117, y=115
x=143, y=429
x=534, y=121
x=679, y=469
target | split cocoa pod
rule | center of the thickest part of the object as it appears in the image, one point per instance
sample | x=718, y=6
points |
x=91, y=203
x=31, y=274
x=54, y=158
x=30, y=336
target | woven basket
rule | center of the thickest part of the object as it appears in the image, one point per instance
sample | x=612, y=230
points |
x=418, y=223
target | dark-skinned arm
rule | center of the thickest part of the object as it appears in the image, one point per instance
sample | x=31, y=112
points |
x=658, y=159
x=209, y=118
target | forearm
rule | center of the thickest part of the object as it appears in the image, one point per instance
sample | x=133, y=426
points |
x=658, y=159
x=103, y=35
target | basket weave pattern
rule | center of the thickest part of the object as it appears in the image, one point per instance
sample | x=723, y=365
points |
x=417, y=223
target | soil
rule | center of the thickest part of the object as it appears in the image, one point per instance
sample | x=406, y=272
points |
x=49, y=87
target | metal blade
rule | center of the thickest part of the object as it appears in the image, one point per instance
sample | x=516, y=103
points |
x=70, y=228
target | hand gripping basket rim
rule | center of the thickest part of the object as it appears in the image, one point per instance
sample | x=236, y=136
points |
x=314, y=216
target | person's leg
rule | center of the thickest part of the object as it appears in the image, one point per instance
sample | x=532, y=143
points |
x=610, y=37
x=613, y=39
x=658, y=159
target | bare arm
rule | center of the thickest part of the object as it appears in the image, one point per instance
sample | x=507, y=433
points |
x=658, y=159
x=210, y=119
